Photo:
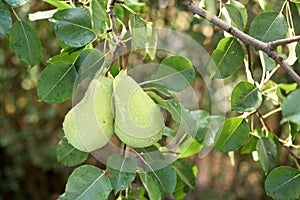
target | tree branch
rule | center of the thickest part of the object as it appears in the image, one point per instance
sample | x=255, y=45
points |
x=268, y=48
x=116, y=35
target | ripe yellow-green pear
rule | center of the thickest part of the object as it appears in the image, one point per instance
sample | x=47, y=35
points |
x=89, y=124
x=138, y=120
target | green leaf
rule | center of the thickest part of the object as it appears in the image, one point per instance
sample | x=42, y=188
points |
x=267, y=153
x=185, y=172
x=233, y=134
x=298, y=51
x=293, y=130
x=122, y=171
x=99, y=16
x=25, y=42
x=203, y=120
x=180, y=115
x=87, y=182
x=150, y=185
x=265, y=5
x=56, y=82
x=138, y=32
x=291, y=107
x=180, y=190
x=189, y=148
x=288, y=87
x=227, y=58
x=235, y=16
x=245, y=97
x=164, y=176
x=250, y=146
x=66, y=56
x=68, y=155
x=5, y=19
x=283, y=183
x=58, y=4
x=16, y=3
x=175, y=73
x=243, y=11
x=89, y=63
x=269, y=26
x=73, y=26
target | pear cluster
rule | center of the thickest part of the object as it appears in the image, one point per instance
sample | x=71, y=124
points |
x=111, y=106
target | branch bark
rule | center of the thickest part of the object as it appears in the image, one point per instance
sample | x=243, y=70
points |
x=268, y=48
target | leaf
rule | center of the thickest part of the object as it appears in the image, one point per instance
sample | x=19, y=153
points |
x=267, y=153
x=73, y=26
x=5, y=19
x=151, y=43
x=164, y=176
x=291, y=107
x=68, y=155
x=233, y=134
x=245, y=97
x=58, y=4
x=138, y=32
x=243, y=11
x=56, y=82
x=227, y=58
x=16, y=3
x=87, y=182
x=180, y=115
x=66, y=56
x=250, y=146
x=235, y=16
x=266, y=62
x=185, y=172
x=98, y=16
x=25, y=42
x=89, y=63
x=122, y=171
x=269, y=26
x=203, y=120
x=150, y=185
x=283, y=183
x=298, y=51
x=189, y=148
x=175, y=73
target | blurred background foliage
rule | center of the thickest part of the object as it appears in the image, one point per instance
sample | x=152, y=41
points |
x=30, y=130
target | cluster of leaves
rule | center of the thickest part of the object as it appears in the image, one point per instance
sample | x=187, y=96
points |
x=78, y=27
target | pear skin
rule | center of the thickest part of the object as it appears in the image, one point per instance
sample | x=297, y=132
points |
x=138, y=120
x=89, y=125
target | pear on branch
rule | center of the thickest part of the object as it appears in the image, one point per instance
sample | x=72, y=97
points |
x=138, y=120
x=89, y=124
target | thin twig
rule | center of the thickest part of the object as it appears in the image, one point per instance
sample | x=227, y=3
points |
x=284, y=41
x=116, y=35
x=245, y=38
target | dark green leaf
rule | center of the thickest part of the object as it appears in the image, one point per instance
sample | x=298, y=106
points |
x=164, y=176
x=267, y=153
x=250, y=146
x=150, y=185
x=298, y=51
x=227, y=58
x=243, y=11
x=266, y=62
x=68, y=155
x=175, y=73
x=73, y=26
x=181, y=116
x=5, y=19
x=122, y=171
x=291, y=107
x=294, y=130
x=98, y=16
x=269, y=26
x=233, y=134
x=87, y=182
x=283, y=183
x=25, y=42
x=235, y=16
x=203, y=120
x=56, y=82
x=185, y=172
x=16, y=3
x=245, y=97
x=58, y=4
x=89, y=63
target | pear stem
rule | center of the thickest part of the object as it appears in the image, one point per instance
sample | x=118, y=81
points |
x=116, y=34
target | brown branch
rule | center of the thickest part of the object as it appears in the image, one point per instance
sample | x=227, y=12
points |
x=284, y=41
x=291, y=152
x=116, y=35
x=245, y=38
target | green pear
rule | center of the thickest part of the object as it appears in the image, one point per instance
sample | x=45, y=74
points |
x=138, y=120
x=89, y=124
